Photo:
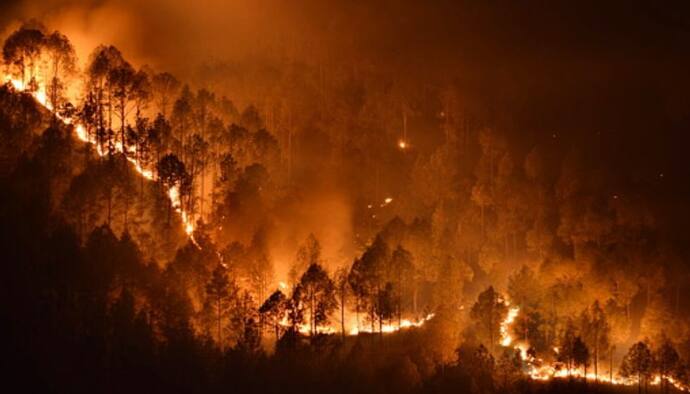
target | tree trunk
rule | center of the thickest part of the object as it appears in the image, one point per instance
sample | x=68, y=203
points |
x=596, y=353
x=220, y=338
x=611, y=367
x=110, y=203
x=639, y=383
x=312, y=315
x=342, y=312
x=123, y=129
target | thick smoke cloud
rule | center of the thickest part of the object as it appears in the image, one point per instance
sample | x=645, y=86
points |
x=585, y=69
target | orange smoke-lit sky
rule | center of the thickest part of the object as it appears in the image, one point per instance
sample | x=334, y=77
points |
x=538, y=66
x=438, y=32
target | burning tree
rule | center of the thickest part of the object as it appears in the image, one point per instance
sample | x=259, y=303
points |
x=63, y=63
x=164, y=85
x=386, y=304
x=403, y=267
x=308, y=253
x=488, y=312
x=273, y=310
x=103, y=60
x=130, y=87
x=220, y=292
x=595, y=330
x=171, y=173
x=580, y=355
x=638, y=362
x=318, y=294
x=366, y=276
x=22, y=49
x=666, y=360
x=342, y=293
x=295, y=309
x=244, y=322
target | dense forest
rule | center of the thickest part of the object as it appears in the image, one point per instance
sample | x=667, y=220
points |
x=333, y=228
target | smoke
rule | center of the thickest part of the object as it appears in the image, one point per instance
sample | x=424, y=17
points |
x=589, y=69
x=501, y=49
x=175, y=35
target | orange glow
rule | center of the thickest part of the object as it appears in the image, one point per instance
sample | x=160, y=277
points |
x=173, y=193
x=537, y=369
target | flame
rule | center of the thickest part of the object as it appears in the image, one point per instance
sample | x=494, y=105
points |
x=506, y=338
x=173, y=193
x=390, y=328
x=402, y=144
x=305, y=328
x=537, y=369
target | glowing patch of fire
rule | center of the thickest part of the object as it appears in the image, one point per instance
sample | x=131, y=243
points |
x=506, y=338
x=537, y=370
x=389, y=328
x=173, y=193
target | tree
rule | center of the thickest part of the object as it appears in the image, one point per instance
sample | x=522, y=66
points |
x=482, y=367
x=308, y=253
x=666, y=360
x=22, y=49
x=181, y=117
x=220, y=291
x=318, y=294
x=523, y=288
x=103, y=60
x=144, y=141
x=159, y=136
x=260, y=265
x=141, y=91
x=595, y=331
x=342, y=292
x=386, y=304
x=244, y=323
x=509, y=367
x=488, y=311
x=295, y=309
x=63, y=63
x=164, y=86
x=121, y=78
x=638, y=362
x=403, y=273
x=580, y=355
x=566, y=352
x=273, y=310
x=197, y=152
x=525, y=291
x=172, y=174
x=366, y=277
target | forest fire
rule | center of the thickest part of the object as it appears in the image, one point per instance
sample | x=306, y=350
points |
x=537, y=369
x=39, y=94
x=258, y=198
